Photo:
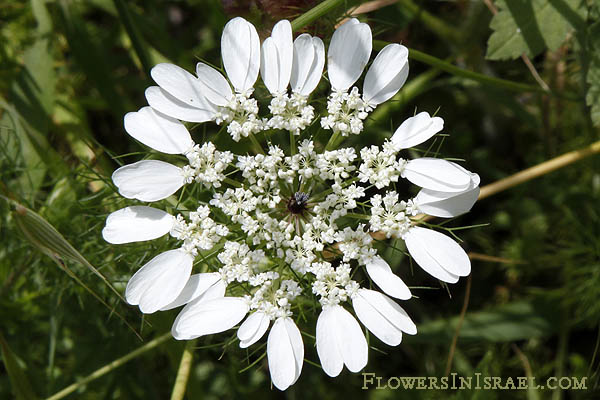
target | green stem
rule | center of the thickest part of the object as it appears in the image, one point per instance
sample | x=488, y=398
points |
x=332, y=141
x=111, y=366
x=256, y=144
x=453, y=69
x=184, y=371
x=434, y=24
x=292, y=143
x=315, y=12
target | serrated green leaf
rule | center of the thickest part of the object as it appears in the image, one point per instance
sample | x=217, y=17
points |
x=18, y=380
x=531, y=26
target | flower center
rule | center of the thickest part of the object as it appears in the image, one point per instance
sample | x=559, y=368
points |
x=298, y=203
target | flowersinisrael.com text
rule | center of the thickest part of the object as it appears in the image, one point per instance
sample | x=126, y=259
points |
x=478, y=381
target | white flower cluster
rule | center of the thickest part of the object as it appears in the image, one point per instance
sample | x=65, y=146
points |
x=271, y=224
x=241, y=116
x=206, y=165
x=346, y=112
x=390, y=216
x=290, y=113
x=201, y=233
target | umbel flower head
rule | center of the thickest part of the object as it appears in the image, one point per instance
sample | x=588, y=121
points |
x=262, y=237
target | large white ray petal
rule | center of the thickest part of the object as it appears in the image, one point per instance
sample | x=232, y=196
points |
x=252, y=329
x=148, y=180
x=437, y=254
x=387, y=74
x=179, y=83
x=350, y=340
x=200, y=318
x=381, y=273
x=208, y=285
x=269, y=65
x=285, y=353
x=136, y=224
x=160, y=281
x=327, y=347
x=382, y=316
x=348, y=54
x=415, y=130
x=158, y=131
x=448, y=205
x=437, y=174
x=216, y=87
x=240, y=48
x=282, y=37
x=160, y=100
x=304, y=54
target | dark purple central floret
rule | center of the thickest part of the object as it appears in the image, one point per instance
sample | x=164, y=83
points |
x=297, y=203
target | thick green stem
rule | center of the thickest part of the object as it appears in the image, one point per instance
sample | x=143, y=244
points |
x=433, y=23
x=256, y=144
x=316, y=12
x=183, y=373
x=109, y=367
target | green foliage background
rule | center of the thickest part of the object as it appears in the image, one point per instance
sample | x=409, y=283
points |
x=70, y=70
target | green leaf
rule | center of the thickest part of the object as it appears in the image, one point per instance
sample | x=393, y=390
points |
x=20, y=384
x=531, y=26
x=505, y=323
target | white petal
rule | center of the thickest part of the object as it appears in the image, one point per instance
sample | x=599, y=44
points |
x=348, y=54
x=285, y=353
x=437, y=254
x=136, y=224
x=381, y=273
x=382, y=316
x=415, y=130
x=252, y=329
x=309, y=60
x=387, y=74
x=180, y=84
x=351, y=340
x=282, y=37
x=209, y=317
x=160, y=281
x=158, y=131
x=240, y=48
x=448, y=205
x=327, y=347
x=148, y=180
x=437, y=174
x=304, y=54
x=160, y=100
x=269, y=65
x=206, y=285
x=216, y=87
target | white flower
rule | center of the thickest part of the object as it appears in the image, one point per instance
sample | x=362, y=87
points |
x=340, y=341
x=285, y=353
x=160, y=281
x=382, y=316
x=148, y=180
x=415, y=130
x=381, y=273
x=348, y=54
x=136, y=224
x=437, y=254
x=264, y=227
x=448, y=204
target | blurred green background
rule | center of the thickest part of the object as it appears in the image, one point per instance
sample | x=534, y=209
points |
x=70, y=70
